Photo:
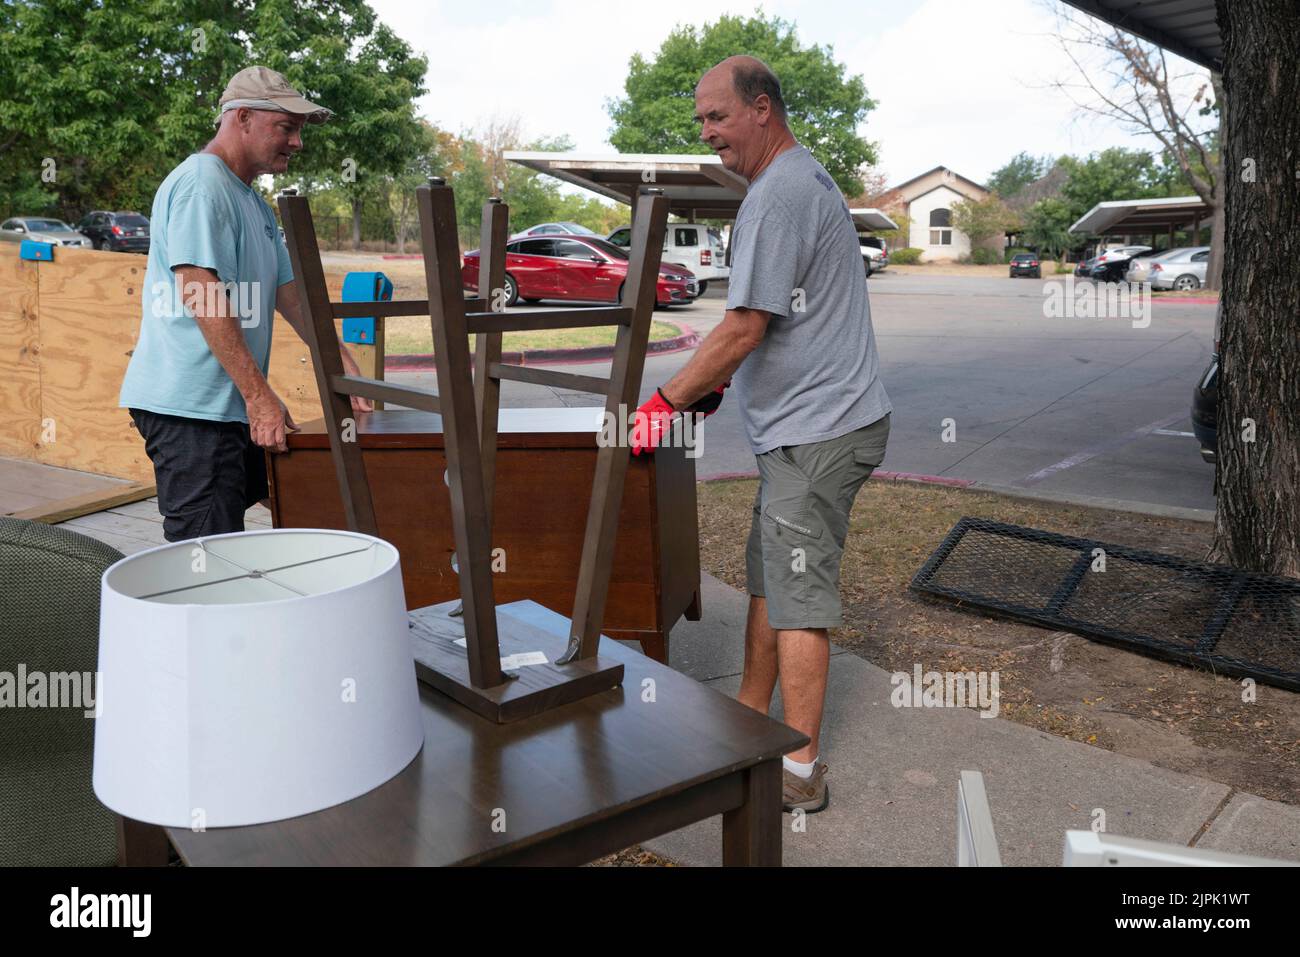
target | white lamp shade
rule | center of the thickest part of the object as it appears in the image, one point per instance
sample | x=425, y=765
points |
x=253, y=677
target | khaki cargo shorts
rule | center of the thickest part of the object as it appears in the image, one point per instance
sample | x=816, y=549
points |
x=801, y=517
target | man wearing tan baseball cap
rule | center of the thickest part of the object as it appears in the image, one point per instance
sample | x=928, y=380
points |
x=260, y=88
x=218, y=272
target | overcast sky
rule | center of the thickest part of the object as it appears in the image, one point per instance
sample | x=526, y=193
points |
x=959, y=83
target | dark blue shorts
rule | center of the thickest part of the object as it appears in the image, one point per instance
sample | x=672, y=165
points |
x=208, y=473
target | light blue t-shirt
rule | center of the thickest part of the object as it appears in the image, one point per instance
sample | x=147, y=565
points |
x=204, y=215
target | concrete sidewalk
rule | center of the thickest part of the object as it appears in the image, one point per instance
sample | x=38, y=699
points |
x=893, y=775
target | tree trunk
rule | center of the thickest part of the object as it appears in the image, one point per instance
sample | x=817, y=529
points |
x=1257, y=524
x=356, y=222
x=1218, y=237
x=1214, y=268
x=401, y=224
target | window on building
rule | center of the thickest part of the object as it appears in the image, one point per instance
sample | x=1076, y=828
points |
x=940, y=227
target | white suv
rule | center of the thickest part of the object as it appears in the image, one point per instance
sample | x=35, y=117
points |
x=875, y=253
x=697, y=247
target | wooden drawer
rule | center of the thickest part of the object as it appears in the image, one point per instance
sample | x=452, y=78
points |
x=546, y=459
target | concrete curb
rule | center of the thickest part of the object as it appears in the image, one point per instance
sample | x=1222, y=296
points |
x=1011, y=491
x=879, y=475
x=1095, y=501
x=689, y=339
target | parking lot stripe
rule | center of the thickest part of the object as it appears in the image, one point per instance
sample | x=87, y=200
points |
x=1078, y=458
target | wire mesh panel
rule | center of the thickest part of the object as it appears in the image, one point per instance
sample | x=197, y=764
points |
x=1233, y=622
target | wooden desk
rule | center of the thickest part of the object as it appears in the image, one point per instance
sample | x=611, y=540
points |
x=574, y=784
x=545, y=463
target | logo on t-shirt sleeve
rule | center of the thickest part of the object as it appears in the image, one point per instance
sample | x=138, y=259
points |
x=824, y=179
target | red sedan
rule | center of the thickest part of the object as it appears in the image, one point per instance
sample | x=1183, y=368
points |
x=575, y=267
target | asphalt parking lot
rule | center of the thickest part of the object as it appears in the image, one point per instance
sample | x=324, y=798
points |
x=986, y=387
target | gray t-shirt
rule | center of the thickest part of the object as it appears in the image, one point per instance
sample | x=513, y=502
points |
x=795, y=254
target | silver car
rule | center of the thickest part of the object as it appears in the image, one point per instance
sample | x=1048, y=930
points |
x=557, y=229
x=1139, y=267
x=1184, y=270
x=42, y=230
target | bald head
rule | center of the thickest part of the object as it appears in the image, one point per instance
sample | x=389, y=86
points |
x=751, y=78
x=741, y=113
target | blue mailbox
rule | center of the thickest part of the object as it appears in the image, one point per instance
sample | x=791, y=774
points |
x=37, y=251
x=364, y=287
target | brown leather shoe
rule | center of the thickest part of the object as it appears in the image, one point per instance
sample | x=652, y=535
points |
x=809, y=795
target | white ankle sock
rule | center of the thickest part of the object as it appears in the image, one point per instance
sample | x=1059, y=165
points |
x=800, y=770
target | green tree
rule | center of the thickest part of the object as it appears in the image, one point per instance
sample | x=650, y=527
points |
x=97, y=101
x=428, y=159
x=600, y=217
x=116, y=94
x=1134, y=86
x=825, y=106
x=472, y=190
x=983, y=219
x=1021, y=170
x=1112, y=174
x=361, y=70
x=1047, y=227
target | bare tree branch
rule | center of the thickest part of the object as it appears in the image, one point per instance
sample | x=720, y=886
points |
x=1148, y=103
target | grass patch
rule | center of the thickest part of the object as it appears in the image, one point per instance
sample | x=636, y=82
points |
x=1174, y=716
x=411, y=335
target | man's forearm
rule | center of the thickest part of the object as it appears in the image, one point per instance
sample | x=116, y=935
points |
x=718, y=357
x=291, y=309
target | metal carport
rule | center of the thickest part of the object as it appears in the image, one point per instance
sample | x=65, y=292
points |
x=698, y=186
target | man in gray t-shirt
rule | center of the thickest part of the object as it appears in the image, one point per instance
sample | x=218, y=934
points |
x=797, y=337
x=795, y=255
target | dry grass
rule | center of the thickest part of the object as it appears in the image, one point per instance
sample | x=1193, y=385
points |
x=1174, y=716
x=633, y=857
x=947, y=269
x=411, y=335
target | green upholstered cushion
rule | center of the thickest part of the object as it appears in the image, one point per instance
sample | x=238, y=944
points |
x=49, y=623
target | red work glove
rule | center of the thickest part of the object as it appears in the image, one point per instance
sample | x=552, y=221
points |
x=654, y=418
x=650, y=422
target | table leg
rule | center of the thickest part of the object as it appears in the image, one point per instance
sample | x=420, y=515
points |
x=751, y=833
x=140, y=844
x=693, y=610
x=655, y=645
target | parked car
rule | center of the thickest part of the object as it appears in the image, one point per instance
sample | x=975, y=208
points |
x=875, y=253
x=1111, y=264
x=556, y=229
x=575, y=267
x=695, y=246
x=1183, y=271
x=1139, y=267
x=117, y=232
x=42, y=230
x=1205, y=408
x=1083, y=268
x=1026, y=264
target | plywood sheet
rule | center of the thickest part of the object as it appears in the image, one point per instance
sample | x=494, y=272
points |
x=90, y=304
x=291, y=373
x=67, y=329
x=20, y=380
